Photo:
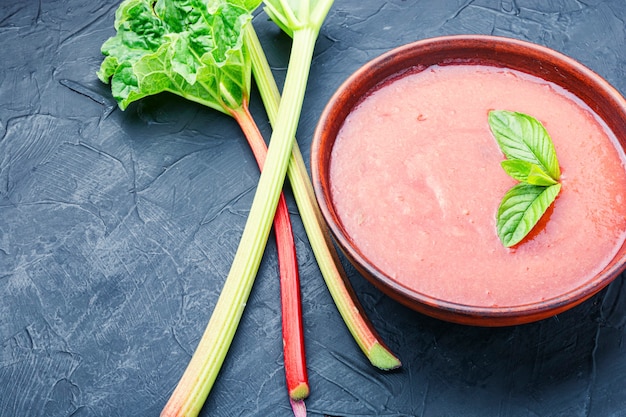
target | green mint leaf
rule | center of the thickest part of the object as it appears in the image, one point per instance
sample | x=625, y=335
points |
x=192, y=48
x=527, y=172
x=531, y=159
x=520, y=210
x=522, y=137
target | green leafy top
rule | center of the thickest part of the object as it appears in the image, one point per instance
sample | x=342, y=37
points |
x=192, y=48
x=531, y=159
x=292, y=15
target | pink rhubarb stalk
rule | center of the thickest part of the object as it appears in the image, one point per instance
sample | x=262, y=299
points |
x=291, y=306
x=293, y=335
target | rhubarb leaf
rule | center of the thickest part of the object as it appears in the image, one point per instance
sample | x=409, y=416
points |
x=191, y=48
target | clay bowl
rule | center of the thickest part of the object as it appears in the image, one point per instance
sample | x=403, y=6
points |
x=495, y=51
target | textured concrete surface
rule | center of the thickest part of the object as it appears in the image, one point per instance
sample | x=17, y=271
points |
x=117, y=230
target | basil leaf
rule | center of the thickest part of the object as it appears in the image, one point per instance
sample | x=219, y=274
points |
x=520, y=210
x=193, y=48
x=522, y=137
x=527, y=172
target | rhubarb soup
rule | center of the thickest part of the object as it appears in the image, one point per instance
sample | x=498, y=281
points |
x=416, y=181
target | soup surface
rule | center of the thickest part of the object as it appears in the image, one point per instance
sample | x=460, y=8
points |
x=416, y=181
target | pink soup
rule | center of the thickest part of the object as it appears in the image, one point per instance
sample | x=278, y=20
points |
x=416, y=181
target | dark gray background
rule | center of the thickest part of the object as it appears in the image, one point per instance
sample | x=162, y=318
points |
x=118, y=228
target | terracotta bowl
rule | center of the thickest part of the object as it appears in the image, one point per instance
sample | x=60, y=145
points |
x=495, y=51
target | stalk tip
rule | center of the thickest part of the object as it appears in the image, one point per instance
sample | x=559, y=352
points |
x=300, y=392
x=382, y=358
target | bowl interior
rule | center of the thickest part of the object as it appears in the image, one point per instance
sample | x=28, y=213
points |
x=485, y=50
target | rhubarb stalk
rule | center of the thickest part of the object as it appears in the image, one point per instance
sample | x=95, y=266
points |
x=291, y=306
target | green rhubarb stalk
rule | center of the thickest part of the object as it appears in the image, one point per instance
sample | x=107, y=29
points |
x=213, y=346
x=319, y=236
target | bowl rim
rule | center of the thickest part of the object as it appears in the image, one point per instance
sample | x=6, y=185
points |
x=444, y=309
